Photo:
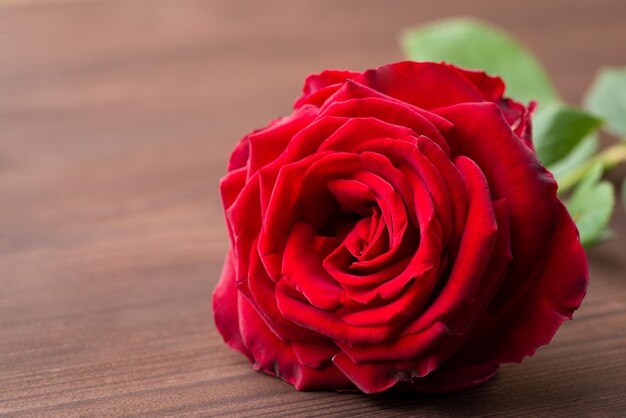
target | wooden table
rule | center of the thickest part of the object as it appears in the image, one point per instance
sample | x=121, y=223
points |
x=116, y=119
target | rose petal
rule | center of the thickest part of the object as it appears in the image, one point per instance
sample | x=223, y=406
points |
x=266, y=145
x=259, y=289
x=357, y=131
x=519, y=118
x=318, y=87
x=352, y=196
x=377, y=240
x=282, y=211
x=225, y=307
x=547, y=278
x=244, y=220
x=374, y=377
x=513, y=173
x=354, y=90
x=419, y=354
x=410, y=292
x=390, y=111
x=491, y=88
x=424, y=84
x=454, y=184
x=277, y=358
x=326, y=322
x=318, y=205
x=302, y=269
x=326, y=78
x=554, y=291
x=475, y=251
x=240, y=155
x=314, y=354
x=230, y=187
x=444, y=326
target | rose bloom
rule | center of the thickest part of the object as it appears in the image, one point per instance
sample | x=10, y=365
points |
x=396, y=230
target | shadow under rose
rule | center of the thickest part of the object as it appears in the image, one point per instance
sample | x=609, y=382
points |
x=511, y=392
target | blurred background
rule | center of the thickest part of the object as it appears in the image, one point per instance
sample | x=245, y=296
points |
x=116, y=121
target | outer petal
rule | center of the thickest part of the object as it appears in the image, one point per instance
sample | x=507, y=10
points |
x=554, y=292
x=277, y=358
x=244, y=222
x=318, y=87
x=491, y=88
x=267, y=144
x=326, y=78
x=548, y=275
x=513, y=173
x=370, y=377
x=225, y=307
x=260, y=291
x=425, y=84
x=519, y=118
x=314, y=354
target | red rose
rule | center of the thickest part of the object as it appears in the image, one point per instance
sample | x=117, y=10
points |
x=396, y=230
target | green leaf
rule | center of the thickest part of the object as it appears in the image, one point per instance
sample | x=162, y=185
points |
x=581, y=153
x=472, y=44
x=591, y=206
x=607, y=98
x=559, y=129
x=608, y=158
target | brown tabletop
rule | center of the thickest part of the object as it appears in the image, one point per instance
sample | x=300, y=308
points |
x=116, y=119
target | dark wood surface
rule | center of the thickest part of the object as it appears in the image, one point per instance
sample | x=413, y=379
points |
x=116, y=119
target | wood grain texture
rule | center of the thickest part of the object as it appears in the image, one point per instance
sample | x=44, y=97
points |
x=116, y=119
